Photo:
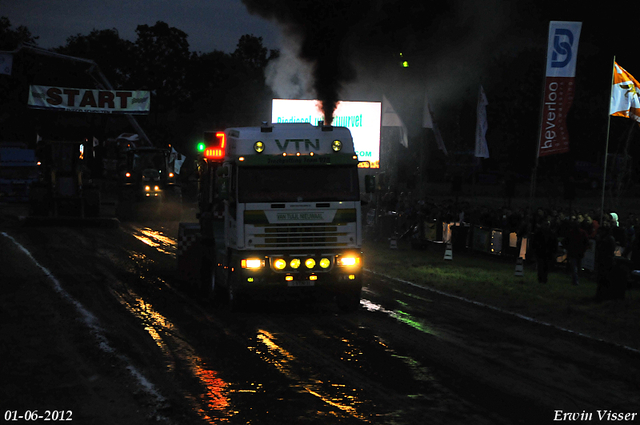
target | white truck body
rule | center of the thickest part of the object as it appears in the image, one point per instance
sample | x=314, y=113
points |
x=290, y=217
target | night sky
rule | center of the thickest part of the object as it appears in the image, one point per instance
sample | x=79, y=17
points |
x=210, y=24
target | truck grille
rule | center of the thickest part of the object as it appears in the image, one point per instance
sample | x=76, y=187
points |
x=300, y=235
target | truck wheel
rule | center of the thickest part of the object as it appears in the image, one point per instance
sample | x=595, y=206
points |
x=204, y=284
x=348, y=300
x=209, y=287
x=215, y=289
x=92, y=202
x=125, y=209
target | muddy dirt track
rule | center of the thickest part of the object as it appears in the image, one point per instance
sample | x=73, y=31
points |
x=97, y=324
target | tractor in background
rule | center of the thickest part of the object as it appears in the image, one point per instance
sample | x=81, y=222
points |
x=147, y=184
x=64, y=188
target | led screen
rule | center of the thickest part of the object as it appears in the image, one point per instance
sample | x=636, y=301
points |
x=361, y=118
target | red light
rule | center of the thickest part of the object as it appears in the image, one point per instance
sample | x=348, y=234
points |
x=216, y=148
x=213, y=153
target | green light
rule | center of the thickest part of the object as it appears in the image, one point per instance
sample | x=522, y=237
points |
x=201, y=147
x=405, y=64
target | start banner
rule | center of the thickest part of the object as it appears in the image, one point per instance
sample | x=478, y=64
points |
x=88, y=100
x=562, y=53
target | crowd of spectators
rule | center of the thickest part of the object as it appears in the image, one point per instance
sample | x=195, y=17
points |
x=545, y=229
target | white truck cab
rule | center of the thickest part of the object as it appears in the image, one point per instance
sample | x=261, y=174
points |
x=280, y=208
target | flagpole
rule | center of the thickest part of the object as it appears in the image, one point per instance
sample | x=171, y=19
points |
x=606, y=149
x=534, y=173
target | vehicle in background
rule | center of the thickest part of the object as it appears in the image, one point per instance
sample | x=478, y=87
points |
x=144, y=176
x=18, y=171
x=64, y=188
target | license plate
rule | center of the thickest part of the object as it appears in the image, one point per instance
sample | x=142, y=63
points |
x=301, y=283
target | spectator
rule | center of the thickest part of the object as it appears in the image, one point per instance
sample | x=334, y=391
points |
x=544, y=244
x=605, y=251
x=617, y=231
x=576, y=244
x=630, y=236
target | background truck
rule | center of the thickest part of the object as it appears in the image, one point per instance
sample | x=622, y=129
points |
x=145, y=178
x=64, y=188
x=279, y=214
x=18, y=170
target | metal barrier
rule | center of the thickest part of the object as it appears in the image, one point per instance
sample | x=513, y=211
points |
x=464, y=236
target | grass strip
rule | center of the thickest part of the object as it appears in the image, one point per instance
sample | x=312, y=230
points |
x=491, y=280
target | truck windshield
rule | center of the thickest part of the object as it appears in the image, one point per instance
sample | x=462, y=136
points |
x=297, y=184
x=149, y=160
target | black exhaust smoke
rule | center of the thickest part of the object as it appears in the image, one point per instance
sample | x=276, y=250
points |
x=325, y=29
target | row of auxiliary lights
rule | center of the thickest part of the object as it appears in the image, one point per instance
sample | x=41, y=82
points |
x=281, y=264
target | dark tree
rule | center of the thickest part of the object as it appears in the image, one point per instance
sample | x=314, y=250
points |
x=10, y=38
x=162, y=57
x=114, y=56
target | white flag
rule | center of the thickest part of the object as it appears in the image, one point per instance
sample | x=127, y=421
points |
x=429, y=122
x=6, y=63
x=391, y=119
x=482, y=150
x=625, y=98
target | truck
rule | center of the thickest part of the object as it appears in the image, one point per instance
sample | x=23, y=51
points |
x=145, y=177
x=18, y=170
x=279, y=214
x=64, y=188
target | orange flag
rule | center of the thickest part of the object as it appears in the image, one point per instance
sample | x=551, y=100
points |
x=625, y=95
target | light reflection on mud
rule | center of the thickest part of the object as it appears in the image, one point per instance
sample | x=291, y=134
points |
x=155, y=239
x=400, y=316
x=213, y=404
x=282, y=359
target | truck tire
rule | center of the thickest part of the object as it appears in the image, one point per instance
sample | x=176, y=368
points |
x=125, y=209
x=91, y=201
x=209, y=287
x=39, y=200
x=215, y=289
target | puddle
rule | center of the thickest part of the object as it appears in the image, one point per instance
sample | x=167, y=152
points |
x=337, y=395
x=400, y=316
x=212, y=404
x=155, y=239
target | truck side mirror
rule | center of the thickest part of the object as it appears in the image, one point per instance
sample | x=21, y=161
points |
x=370, y=184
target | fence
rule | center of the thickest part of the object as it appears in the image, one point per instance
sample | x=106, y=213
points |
x=489, y=240
x=480, y=238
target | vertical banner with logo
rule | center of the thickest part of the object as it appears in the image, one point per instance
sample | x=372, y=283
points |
x=562, y=53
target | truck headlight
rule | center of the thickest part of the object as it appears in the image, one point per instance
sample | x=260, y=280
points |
x=252, y=263
x=349, y=261
x=295, y=263
x=310, y=263
x=325, y=263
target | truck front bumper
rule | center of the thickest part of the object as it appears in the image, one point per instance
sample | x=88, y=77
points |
x=334, y=272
